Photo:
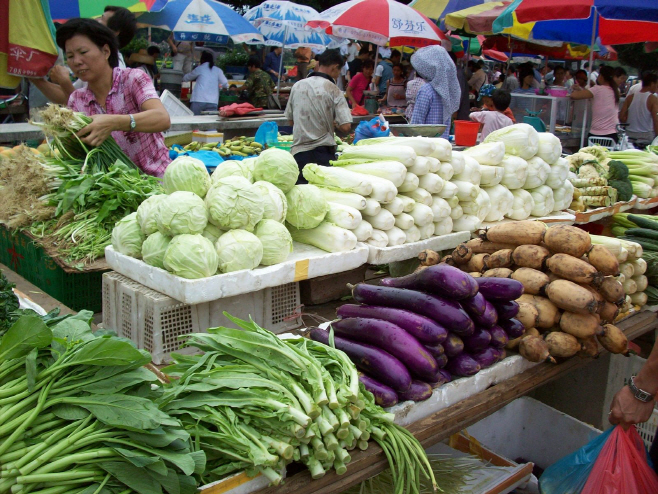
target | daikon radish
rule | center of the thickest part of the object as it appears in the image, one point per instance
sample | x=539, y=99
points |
x=443, y=226
x=395, y=237
x=363, y=231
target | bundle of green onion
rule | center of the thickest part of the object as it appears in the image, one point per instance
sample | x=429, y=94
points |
x=62, y=124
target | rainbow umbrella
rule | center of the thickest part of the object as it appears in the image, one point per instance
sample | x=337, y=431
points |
x=479, y=19
x=27, y=43
x=62, y=10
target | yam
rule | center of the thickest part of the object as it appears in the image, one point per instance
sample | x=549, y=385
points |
x=535, y=349
x=590, y=347
x=429, y=258
x=500, y=259
x=567, y=239
x=497, y=273
x=603, y=260
x=530, y=256
x=562, y=345
x=528, y=315
x=549, y=314
x=612, y=290
x=476, y=263
x=517, y=232
x=462, y=254
x=608, y=312
x=613, y=339
x=479, y=246
x=572, y=297
x=513, y=344
x=534, y=282
x=579, y=325
x=572, y=269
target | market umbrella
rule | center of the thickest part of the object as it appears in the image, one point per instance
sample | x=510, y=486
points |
x=202, y=20
x=27, y=43
x=439, y=9
x=62, y=10
x=479, y=19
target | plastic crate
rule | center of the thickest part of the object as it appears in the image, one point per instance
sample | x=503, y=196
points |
x=77, y=291
x=647, y=430
x=154, y=321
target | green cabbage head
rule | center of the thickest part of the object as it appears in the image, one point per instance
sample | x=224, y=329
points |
x=127, y=236
x=229, y=168
x=276, y=240
x=191, y=256
x=277, y=167
x=182, y=213
x=147, y=214
x=212, y=233
x=275, y=203
x=153, y=249
x=307, y=207
x=233, y=203
x=238, y=249
x=186, y=173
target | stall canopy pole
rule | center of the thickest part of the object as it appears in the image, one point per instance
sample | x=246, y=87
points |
x=376, y=56
x=283, y=47
x=591, y=69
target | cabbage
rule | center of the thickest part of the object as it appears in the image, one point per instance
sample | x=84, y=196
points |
x=212, y=233
x=231, y=167
x=147, y=213
x=249, y=164
x=238, y=249
x=186, y=173
x=550, y=147
x=491, y=153
x=516, y=172
x=233, y=202
x=307, y=207
x=277, y=167
x=127, y=236
x=276, y=240
x=153, y=249
x=538, y=171
x=519, y=139
x=182, y=213
x=191, y=256
x=275, y=204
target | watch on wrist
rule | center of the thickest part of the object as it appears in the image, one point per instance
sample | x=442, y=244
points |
x=133, y=124
x=639, y=394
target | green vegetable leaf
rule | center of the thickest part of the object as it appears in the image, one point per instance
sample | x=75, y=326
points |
x=70, y=412
x=121, y=382
x=129, y=412
x=132, y=476
x=27, y=333
x=31, y=368
x=105, y=351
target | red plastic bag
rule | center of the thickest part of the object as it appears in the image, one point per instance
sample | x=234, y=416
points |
x=622, y=467
x=359, y=110
x=238, y=109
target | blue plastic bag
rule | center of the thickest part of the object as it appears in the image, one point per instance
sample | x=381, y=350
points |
x=377, y=127
x=267, y=133
x=570, y=474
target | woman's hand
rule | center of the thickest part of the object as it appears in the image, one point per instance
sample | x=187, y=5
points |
x=627, y=410
x=60, y=75
x=99, y=129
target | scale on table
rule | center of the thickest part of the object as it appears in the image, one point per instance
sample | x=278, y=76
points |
x=532, y=118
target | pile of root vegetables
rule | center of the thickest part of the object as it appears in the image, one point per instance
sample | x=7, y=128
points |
x=416, y=332
x=571, y=293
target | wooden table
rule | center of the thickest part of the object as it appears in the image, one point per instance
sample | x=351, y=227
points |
x=444, y=423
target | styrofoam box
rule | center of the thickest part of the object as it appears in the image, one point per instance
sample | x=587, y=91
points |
x=528, y=429
x=304, y=262
x=154, y=321
x=385, y=255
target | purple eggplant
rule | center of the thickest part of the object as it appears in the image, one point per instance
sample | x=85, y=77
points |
x=453, y=346
x=507, y=310
x=390, y=338
x=475, y=305
x=441, y=279
x=499, y=337
x=441, y=361
x=423, y=328
x=419, y=391
x=479, y=340
x=489, y=318
x=377, y=363
x=500, y=354
x=463, y=365
x=384, y=395
x=500, y=288
x=486, y=358
x=447, y=313
x=512, y=327
x=445, y=375
x=436, y=350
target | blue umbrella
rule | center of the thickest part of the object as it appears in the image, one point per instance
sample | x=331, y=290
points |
x=202, y=20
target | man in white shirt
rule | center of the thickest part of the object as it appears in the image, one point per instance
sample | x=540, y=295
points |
x=640, y=110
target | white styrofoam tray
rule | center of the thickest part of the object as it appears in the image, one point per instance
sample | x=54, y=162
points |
x=649, y=203
x=304, y=262
x=385, y=255
x=555, y=218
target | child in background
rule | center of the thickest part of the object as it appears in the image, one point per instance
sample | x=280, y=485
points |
x=494, y=119
x=487, y=103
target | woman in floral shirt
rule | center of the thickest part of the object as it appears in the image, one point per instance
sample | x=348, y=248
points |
x=121, y=102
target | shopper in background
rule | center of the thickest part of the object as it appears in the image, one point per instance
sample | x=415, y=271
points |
x=396, y=88
x=526, y=79
x=640, y=110
x=384, y=71
x=620, y=79
x=183, y=54
x=356, y=65
x=464, y=101
x=605, y=100
x=560, y=75
x=360, y=83
x=273, y=63
x=258, y=85
x=580, y=79
x=511, y=81
x=439, y=98
x=303, y=56
x=488, y=104
x=478, y=77
x=209, y=79
x=568, y=79
x=495, y=118
x=413, y=86
x=350, y=51
x=142, y=61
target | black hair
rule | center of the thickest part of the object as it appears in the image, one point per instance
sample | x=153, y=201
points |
x=331, y=57
x=620, y=72
x=501, y=99
x=395, y=53
x=98, y=34
x=608, y=74
x=453, y=57
x=153, y=50
x=480, y=63
x=401, y=68
x=253, y=62
x=559, y=67
x=648, y=78
x=233, y=86
x=206, y=57
x=368, y=64
x=364, y=51
x=502, y=77
x=123, y=21
x=511, y=68
x=580, y=71
x=524, y=72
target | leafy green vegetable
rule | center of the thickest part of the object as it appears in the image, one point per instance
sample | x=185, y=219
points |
x=182, y=212
x=234, y=203
x=277, y=167
x=8, y=303
x=239, y=249
x=307, y=207
x=276, y=241
x=127, y=236
x=153, y=249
